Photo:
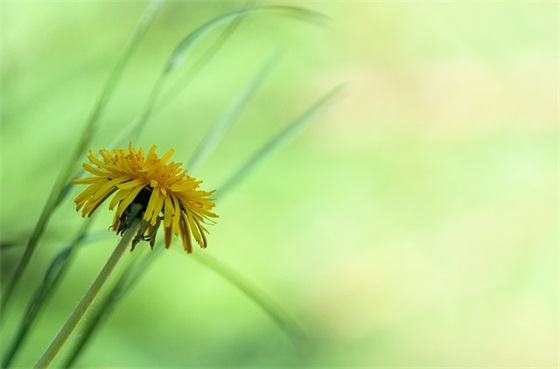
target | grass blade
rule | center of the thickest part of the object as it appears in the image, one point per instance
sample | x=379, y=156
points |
x=44, y=291
x=186, y=45
x=296, y=12
x=177, y=57
x=271, y=308
x=220, y=128
x=208, y=54
x=281, y=138
x=60, y=187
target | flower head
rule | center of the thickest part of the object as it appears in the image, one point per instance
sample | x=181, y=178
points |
x=164, y=191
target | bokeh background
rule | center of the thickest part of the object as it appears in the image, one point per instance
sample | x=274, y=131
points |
x=414, y=223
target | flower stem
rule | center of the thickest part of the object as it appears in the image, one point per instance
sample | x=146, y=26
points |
x=88, y=298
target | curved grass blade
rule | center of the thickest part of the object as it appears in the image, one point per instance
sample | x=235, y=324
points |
x=90, y=237
x=186, y=45
x=281, y=138
x=299, y=13
x=5, y=245
x=179, y=54
x=60, y=187
x=220, y=128
x=207, y=55
x=54, y=275
x=271, y=308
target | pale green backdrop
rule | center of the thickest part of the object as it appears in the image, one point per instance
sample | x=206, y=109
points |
x=414, y=223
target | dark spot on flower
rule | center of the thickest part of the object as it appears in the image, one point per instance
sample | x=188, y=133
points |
x=143, y=197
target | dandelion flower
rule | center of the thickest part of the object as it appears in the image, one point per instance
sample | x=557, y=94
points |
x=164, y=190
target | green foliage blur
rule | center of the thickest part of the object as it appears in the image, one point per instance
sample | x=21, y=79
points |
x=415, y=223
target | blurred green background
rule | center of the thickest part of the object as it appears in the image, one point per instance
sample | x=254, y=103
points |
x=414, y=223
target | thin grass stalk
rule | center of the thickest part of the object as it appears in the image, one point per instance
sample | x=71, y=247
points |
x=220, y=128
x=186, y=44
x=281, y=138
x=54, y=275
x=271, y=308
x=183, y=48
x=187, y=77
x=59, y=189
x=89, y=297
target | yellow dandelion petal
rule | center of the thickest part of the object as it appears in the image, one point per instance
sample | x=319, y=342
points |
x=154, y=207
x=107, y=156
x=151, y=206
x=185, y=235
x=108, y=186
x=193, y=228
x=84, y=196
x=94, y=159
x=93, y=170
x=131, y=184
x=91, y=205
x=167, y=212
x=176, y=215
x=116, y=223
x=158, y=206
x=121, y=195
x=151, y=153
x=207, y=214
x=127, y=166
x=166, y=156
x=86, y=180
x=125, y=203
x=168, y=235
x=170, y=170
x=131, y=149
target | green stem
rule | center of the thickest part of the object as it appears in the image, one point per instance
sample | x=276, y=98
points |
x=88, y=298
